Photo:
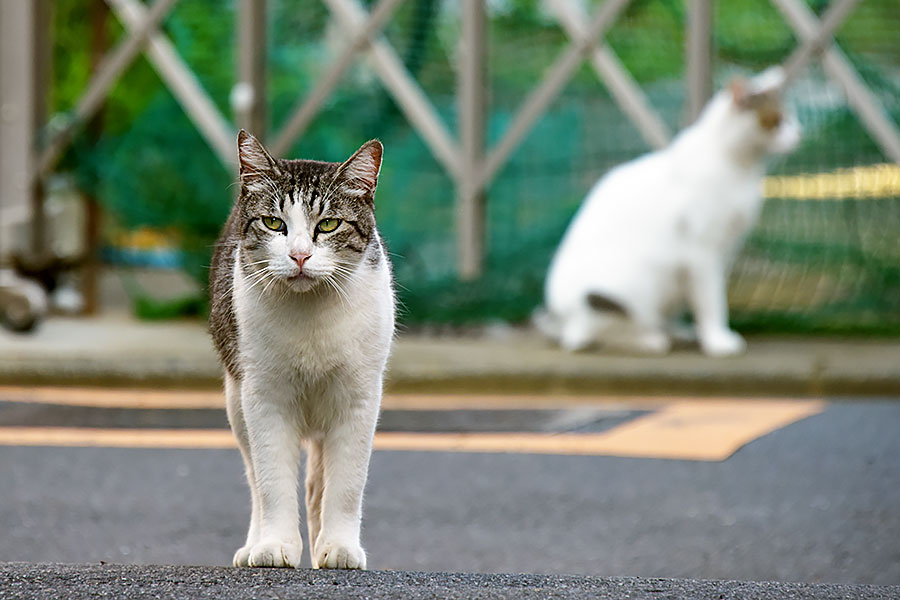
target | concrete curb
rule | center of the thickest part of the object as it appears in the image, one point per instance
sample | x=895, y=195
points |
x=19, y=580
x=113, y=351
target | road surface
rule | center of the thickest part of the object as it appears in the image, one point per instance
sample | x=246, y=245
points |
x=779, y=490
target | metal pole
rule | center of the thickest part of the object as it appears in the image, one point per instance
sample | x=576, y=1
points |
x=249, y=97
x=40, y=84
x=22, y=63
x=470, y=202
x=90, y=270
x=698, y=56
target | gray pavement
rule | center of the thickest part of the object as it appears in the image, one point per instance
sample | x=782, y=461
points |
x=103, y=581
x=116, y=349
x=813, y=502
x=816, y=501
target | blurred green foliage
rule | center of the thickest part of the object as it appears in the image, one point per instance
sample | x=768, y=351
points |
x=151, y=168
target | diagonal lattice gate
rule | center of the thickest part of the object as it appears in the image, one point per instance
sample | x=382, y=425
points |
x=471, y=164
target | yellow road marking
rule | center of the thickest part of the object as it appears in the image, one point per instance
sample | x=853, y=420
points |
x=116, y=438
x=705, y=430
x=709, y=431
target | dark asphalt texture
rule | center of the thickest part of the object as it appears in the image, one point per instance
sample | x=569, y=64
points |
x=817, y=501
x=23, y=581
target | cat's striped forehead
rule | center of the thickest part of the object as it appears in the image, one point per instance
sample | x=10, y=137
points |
x=310, y=185
x=304, y=187
x=301, y=193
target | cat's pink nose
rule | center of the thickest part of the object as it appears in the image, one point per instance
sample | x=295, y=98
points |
x=300, y=258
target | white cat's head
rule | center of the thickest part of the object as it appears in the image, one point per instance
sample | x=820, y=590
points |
x=759, y=115
x=303, y=223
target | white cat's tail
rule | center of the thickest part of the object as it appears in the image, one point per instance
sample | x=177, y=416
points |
x=551, y=325
x=605, y=304
x=547, y=323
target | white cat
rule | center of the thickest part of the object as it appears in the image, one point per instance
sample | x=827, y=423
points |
x=660, y=232
x=303, y=317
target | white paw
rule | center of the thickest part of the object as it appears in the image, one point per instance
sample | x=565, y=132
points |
x=334, y=554
x=575, y=339
x=242, y=556
x=271, y=553
x=574, y=345
x=653, y=342
x=723, y=343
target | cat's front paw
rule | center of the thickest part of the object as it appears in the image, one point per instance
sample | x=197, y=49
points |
x=654, y=343
x=339, y=555
x=723, y=343
x=242, y=556
x=271, y=553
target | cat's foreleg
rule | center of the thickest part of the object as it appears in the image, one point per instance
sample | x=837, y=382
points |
x=346, y=449
x=315, y=484
x=275, y=454
x=239, y=428
x=644, y=339
x=707, y=294
x=578, y=332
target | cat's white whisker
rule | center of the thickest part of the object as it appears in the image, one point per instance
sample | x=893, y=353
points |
x=259, y=277
x=268, y=285
x=341, y=296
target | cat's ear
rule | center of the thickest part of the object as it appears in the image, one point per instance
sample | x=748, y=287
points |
x=257, y=165
x=755, y=93
x=358, y=176
x=740, y=93
x=770, y=81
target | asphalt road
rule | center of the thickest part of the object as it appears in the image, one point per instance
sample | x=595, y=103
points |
x=73, y=582
x=815, y=501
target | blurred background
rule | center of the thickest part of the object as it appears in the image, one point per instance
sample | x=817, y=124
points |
x=135, y=199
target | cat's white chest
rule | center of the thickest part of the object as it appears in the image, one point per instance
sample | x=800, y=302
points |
x=309, y=337
x=718, y=210
x=316, y=339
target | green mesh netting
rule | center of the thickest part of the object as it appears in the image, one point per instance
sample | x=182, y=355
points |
x=830, y=263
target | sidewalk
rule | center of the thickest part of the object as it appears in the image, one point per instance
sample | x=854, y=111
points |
x=18, y=580
x=117, y=350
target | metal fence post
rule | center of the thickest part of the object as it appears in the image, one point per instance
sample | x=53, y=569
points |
x=698, y=56
x=249, y=96
x=470, y=202
x=23, y=68
x=90, y=270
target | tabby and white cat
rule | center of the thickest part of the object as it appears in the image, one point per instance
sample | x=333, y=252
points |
x=661, y=232
x=303, y=318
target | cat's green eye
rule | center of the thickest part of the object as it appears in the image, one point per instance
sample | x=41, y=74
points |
x=326, y=225
x=274, y=223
